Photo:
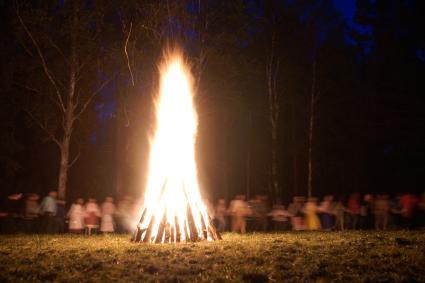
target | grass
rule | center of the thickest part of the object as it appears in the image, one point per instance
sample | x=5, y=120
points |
x=290, y=257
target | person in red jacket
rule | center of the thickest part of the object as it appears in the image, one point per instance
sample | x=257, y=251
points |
x=353, y=207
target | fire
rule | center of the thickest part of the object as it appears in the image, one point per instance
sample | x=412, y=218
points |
x=173, y=209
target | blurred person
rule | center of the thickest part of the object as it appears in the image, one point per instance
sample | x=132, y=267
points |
x=408, y=204
x=76, y=215
x=60, y=217
x=48, y=209
x=108, y=210
x=92, y=214
x=295, y=208
x=366, y=212
x=4, y=214
x=259, y=212
x=421, y=211
x=32, y=211
x=11, y=213
x=310, y=211
x=124, y=215
x=382, y=209
x=395, y=211
x=326, y=213
x=239, y=210
x=262, y=211
x=280, y=217
x=220, y=215
x=339, y=211
x=353, y=207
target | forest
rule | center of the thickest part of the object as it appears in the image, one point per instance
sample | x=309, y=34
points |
x=294, y=97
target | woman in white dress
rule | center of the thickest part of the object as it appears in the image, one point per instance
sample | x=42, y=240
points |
x=108, y=211
x=76, y=216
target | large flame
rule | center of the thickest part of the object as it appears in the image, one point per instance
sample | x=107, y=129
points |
x=172, y=198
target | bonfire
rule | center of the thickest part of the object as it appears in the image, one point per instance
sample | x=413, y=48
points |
x=173, y=209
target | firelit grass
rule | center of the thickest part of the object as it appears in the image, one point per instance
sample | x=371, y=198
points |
x=397, y=256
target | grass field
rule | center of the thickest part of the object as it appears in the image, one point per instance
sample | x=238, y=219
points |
x=285, y=257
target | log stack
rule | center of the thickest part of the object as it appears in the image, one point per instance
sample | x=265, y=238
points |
x=167, y=233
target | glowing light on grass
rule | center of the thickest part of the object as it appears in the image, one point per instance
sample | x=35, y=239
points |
x=173, y=209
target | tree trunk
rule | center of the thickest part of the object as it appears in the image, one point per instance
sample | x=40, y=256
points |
x=248, y=159
x=310, y=131
x=66, y=141
x=294, y=149
x=63, y=167
x=275, y=182
x=68, y=114
x=272, y=70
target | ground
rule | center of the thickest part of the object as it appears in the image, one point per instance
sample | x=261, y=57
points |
x=280, y=257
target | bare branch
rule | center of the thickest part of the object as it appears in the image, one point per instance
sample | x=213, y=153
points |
x=126, y=53
x=48, y=132
x=86, y=104
x=70, y=164
x=43, y=61
x=31, y=89
x=57, y=49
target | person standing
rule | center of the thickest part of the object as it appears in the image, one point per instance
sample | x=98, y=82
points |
x=311, y=218
x=76, y=216
x=32, y=211
x=280, y=217
x=220, y=215
x=354, y=210
x=92, y=214
x=239, y=210
x=409, y=204
x=108, y=210
x=382, y=208
x=48, y=209
x=339, y=212
x=326, y=213
x=60, y=217
x=366, y=213
x=295, y=209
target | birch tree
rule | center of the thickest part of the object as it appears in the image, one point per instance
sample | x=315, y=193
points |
x=272, y=71
x=67, y=55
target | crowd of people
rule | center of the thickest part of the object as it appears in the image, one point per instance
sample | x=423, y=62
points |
x=26, y=214
x=380, y=212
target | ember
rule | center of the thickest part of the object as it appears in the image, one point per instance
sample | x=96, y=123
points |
x=173, y=209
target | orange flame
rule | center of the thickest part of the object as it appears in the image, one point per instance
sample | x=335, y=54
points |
x=172, y=192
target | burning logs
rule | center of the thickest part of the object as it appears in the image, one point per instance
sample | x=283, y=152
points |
x=173, y=207
x=172, y=232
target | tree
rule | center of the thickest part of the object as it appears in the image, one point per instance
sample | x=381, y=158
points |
x=68, y=56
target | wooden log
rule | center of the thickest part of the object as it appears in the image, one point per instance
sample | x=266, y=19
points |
x=204, y=227
x=214, y=233
x=173, y=234
x=192, y=227
x=161, y=228
x=186, y=234
x=147, y=237
x=178, y=235
x=138, y=234
x=167, y=233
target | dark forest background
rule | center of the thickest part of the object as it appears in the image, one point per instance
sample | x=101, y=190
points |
x=325, y=97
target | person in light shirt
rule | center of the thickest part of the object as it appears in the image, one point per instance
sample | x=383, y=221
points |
x=107, y=224
x=48, y=208
x=76, y=216
x=239, y=210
